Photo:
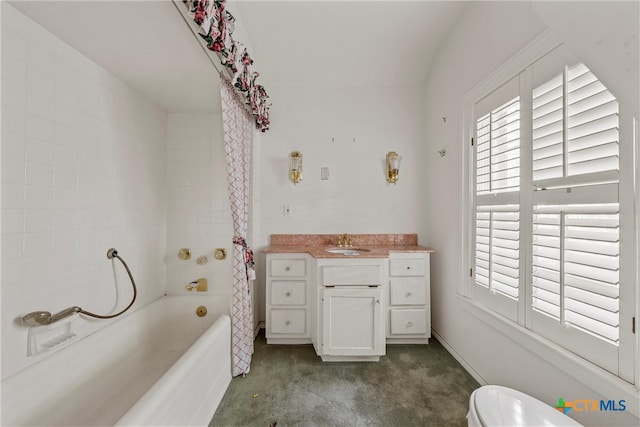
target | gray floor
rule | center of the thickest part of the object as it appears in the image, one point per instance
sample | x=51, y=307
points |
x=413, y=385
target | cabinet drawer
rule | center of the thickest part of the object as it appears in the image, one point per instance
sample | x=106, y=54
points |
x=407, y=267
x=288, y=267
x=288, y=321
x=350, y=275
x=288, y=292
x=407, y=292
x=408, y=322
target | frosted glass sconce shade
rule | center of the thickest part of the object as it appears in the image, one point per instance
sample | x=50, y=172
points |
x=393, y=166
x=295, y=167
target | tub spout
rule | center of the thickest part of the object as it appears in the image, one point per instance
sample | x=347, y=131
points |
x=199, y=285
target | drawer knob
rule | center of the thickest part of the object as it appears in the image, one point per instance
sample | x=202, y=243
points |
x=287, y=268
x=287, y=323
x=408, y=268
x=409, y=325
x=288, y=294
x=408, y=294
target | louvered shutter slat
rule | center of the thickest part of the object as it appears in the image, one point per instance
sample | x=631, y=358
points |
x=593, y=299
x=543, y=131
x=548, y=140
x=548, y=151
x=549, y=286
x=591, y=246
x=588, y=284
x=550, y=309
x=552, y=274
x=602, y=151
x=591, y=127
x=587, y=271
x=544, y=114
x=604, y=164
x=597, y=328
x=596, y=260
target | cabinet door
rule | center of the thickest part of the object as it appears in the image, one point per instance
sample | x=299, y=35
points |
x=351, y=322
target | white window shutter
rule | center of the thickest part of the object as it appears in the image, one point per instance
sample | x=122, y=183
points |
x=559, y=255
x=498, y=149
x=548, y=137
x=497, y=249
x=575, y=128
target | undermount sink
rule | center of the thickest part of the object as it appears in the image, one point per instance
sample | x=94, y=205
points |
x=348, y=251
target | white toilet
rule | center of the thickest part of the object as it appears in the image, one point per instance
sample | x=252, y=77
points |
x=494, y=405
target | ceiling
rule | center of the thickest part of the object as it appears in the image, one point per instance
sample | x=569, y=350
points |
x=293, y=43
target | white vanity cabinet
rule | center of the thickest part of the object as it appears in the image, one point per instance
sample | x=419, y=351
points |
x=287, y=317
x=409, y=312
x=351, y=303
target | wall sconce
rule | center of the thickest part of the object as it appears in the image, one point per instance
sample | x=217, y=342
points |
x=295, y=167
x=393, y=166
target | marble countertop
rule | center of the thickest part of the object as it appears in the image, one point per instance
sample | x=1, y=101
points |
x=317, y=245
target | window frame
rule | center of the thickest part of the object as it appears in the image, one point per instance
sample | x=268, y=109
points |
x=586, y=372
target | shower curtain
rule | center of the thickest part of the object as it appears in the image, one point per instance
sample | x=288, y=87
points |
x=238, y=132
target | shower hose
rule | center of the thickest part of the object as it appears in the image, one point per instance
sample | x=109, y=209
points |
x=38, y=318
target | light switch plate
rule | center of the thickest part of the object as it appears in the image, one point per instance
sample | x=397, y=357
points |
x=324, y=173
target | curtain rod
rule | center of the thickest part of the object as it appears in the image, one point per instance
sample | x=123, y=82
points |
x=213, y=57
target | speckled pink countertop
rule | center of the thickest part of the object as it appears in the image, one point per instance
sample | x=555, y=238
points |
x=316, y=245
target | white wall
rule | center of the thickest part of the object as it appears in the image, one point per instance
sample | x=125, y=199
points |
x=83, y=170
x=487, y=36
x=198, y=210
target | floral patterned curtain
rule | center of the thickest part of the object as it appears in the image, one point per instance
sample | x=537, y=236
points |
x=238, y=132
x=216, y=26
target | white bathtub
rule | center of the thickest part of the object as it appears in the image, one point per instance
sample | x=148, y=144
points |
x=160, y=365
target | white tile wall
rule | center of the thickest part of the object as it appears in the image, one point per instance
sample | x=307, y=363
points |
x=83, y=170
x=198, y=210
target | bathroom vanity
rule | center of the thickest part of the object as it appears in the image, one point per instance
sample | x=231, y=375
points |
x=349, y=302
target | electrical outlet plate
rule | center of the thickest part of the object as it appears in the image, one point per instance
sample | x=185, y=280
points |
x=287, y=210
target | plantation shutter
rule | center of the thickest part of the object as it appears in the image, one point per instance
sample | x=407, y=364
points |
x=553, y=227
x=575, y=222
x=497, y=184
x=575, y=129
x=592, y=129
x=497, y=249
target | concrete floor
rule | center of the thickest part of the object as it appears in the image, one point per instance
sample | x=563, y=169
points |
x=413, y=385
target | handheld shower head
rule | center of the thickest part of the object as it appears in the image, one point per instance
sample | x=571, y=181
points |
x=40, y=318
x=37, y=318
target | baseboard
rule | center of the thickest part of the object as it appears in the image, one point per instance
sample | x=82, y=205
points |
x=459, y=358
x=256, y=329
